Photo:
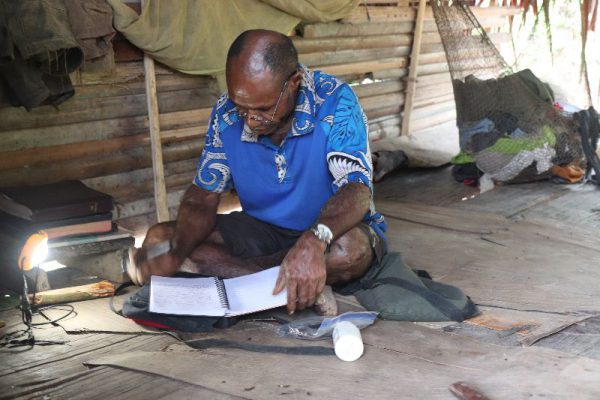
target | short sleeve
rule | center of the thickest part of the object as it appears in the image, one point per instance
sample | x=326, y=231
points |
x=213, y=172
x=348, y=154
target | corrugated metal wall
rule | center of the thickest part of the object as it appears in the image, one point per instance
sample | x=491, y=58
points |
x=101, y=134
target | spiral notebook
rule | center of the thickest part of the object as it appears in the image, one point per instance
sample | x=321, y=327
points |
x=216, y=297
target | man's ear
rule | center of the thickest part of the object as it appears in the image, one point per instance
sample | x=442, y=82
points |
x=296, y=79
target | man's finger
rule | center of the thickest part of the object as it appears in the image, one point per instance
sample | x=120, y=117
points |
x=303, y=295
x=280, y=284
x=320, y=287
x=312, y=294
x=291, y=295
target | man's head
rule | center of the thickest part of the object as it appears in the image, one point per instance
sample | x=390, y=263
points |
x=263, y=79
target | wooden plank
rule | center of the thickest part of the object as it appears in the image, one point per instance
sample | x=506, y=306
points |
x=336, y=29
x=432, y=68
x=147, y=205
x=412, y=70
x=423, y=123
x=428, y=110
x=102, y=109
x=164, y=83
x=391, y=73
x=364, y=66
x=378, y=88
x=496, y=261
x=384, y=100
x=433, y=79
x=135, y=386
x=442, y=98
x=312, y=45
x=99, y=166
x=39, y=376
x=98, y=130
x=392, y=349
x=351, y=56
x=362, y=15
x=385, y=110
x=38, y=156
x=128, y=184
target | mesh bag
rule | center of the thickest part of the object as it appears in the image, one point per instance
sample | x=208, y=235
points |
x=508, y=124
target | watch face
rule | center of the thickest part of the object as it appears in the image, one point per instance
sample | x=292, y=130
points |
x=324, y=233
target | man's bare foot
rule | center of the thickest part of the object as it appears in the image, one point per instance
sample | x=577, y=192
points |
x=326, y=305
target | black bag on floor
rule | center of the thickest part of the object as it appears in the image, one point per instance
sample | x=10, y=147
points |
x=136, y=308
x=399, y=293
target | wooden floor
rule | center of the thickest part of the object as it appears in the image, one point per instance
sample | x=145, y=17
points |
x=525, y=253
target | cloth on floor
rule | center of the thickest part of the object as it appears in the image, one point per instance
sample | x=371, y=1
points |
x=194, y=36
x=399, y=293
x=38, y=51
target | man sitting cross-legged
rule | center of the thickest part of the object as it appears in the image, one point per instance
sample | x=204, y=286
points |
x=294, y=144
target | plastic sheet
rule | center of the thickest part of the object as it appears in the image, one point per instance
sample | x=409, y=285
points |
x=321, y=327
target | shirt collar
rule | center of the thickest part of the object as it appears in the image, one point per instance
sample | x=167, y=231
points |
x=304, y=113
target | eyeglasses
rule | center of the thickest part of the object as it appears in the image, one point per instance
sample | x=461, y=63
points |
x=255, y=116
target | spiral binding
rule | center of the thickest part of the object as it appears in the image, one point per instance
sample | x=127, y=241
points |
x=222, y=293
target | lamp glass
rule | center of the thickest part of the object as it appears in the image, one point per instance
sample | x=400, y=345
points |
x=40, y=252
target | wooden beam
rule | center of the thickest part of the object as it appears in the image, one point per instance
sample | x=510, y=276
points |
x=160, y=189
x=412, y=73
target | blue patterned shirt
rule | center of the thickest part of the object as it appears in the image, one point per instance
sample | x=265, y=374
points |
x=287, y=185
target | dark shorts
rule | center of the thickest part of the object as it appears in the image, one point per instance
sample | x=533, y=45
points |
x=246, y=237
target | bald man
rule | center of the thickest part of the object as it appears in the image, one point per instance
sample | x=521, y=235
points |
x=294, y=144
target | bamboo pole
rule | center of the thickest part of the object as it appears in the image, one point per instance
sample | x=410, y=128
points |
x=160, y=189
x=412, y=74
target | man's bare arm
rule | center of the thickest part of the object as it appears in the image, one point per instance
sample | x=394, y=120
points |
x=346, y=208
x=196, y=220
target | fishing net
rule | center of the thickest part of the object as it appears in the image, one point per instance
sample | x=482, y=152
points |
x=508, y=123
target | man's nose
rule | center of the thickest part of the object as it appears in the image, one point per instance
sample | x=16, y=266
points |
x=252, y=122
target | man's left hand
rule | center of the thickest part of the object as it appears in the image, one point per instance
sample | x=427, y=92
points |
x=303, y=272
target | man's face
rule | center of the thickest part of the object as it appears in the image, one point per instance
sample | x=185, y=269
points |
x=264, y=101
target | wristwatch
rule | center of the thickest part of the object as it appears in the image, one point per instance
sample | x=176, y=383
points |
x=322, y=232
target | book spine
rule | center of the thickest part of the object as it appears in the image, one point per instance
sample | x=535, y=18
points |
x=222, y=293
x=97, y=206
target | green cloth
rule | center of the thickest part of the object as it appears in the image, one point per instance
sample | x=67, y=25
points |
x=515, y=146
x=462, y=158
x=193, y=36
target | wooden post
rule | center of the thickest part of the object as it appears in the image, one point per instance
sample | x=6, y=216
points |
x=412, y=72
x=160, y=189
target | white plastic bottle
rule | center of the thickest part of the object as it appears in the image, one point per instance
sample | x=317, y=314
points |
x=347, y=341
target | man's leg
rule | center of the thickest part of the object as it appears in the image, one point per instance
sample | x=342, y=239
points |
x=251, y=246
x=351, y=255
x=210, y=258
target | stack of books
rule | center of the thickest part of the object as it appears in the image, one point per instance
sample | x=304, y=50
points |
x=77, y=219
x=61, y=209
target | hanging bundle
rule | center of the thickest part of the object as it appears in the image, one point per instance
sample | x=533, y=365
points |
x=508, y=124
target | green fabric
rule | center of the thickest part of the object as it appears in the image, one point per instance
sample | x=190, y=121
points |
x=462, y=158
x=193, y=36
x=396, y=302
x=515, y=146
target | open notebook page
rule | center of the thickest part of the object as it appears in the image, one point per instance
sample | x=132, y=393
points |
x=185, y=296
x=251, y=293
